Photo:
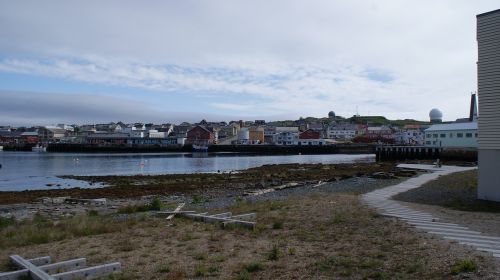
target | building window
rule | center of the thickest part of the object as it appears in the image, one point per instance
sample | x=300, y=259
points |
x=435, y=135
x=428, y=136
x=468, y=135
x=451, y=135
x=476, y=135
x=428, y=142
x=442, y=135
x=460, y=135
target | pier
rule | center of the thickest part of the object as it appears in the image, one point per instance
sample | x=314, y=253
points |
x=385, y=153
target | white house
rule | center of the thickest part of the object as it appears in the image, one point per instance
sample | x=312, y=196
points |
x=153, y=133
x=452, y=135
x=341, y=131
x=286, y=138
x=137, y=133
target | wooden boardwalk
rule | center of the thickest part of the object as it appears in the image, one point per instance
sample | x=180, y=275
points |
x=381, y=200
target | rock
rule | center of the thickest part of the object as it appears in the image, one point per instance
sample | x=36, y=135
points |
x=382, y=175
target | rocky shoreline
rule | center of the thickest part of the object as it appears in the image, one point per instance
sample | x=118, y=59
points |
x=271, y=182
x=202, y=184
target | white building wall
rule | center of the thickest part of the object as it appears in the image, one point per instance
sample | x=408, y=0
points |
x=488, y=76
x=451, y=138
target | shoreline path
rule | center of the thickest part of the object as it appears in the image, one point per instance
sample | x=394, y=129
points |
x=381, y=200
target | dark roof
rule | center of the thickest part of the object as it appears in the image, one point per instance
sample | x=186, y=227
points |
x=202, y=127
x=488, y=13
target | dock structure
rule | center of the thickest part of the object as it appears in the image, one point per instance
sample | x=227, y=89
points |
x=41, y=269
x=383, y=153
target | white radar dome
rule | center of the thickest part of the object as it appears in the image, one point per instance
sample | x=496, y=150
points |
x=436, y=115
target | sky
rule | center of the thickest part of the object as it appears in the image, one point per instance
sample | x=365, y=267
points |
x=173, y=61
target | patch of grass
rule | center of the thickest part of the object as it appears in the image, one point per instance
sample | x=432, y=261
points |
x=338, y=219
x=200, y=271
x=278, y=224
x=40, y=230
x=244, y=275
x=274, y=254
x=213, y=269
x=375, y=275
x=457, y=191
x=199, y=256
x=125, y=245
x=165, y=268
x=219, y=258
x=254, y=266
x=292, y=251
x=462, y=266
x=92, y=213
x=198, y=200
x=5, y=222
x=154, y=205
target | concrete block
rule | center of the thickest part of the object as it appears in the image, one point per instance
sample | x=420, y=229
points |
x=64, y=266
x=89, y=272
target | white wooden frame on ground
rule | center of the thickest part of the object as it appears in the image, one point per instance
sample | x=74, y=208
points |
x=42, y=269
x=245, y=220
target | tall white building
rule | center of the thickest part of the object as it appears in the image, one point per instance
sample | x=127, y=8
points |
x=488, y=77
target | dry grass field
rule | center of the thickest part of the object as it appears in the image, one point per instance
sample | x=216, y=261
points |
x=316, y=236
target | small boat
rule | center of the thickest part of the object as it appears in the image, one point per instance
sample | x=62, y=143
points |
x=39, y=148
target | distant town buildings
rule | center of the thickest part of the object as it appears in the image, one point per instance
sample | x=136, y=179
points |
x=329, y=130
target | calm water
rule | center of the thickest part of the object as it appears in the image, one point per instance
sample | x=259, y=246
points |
x=29, y=170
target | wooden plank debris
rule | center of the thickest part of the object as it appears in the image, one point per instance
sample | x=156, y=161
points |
x=42, y=269
x=167, y=213
x=171, y=216
x=277, y=188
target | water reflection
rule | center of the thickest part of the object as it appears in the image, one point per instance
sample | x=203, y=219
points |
x=25, y=170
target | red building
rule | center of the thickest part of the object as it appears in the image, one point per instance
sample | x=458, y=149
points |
x=310, y=134
x=200, y=135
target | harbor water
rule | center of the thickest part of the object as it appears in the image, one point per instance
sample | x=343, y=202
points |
x=31, y=170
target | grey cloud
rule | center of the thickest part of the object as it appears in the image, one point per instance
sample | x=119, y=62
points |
x=41, y=108
x=428, y=46
x=35, y=108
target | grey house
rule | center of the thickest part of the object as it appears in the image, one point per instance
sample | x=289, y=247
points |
x=488, y=72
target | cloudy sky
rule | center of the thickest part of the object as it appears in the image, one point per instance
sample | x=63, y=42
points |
x=168, y=61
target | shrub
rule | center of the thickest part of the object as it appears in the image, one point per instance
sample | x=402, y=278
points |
x=463, y=266
x=164, y=269
x=198, y=199
x=274, y=255
x=5, y=222
x=92, y=213
x=200, y=270
x=278, y=225
x=155, y=203
x=244, y=275
x=254, y=266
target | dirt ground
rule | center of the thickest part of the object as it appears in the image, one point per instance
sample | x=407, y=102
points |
x=314, y=236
